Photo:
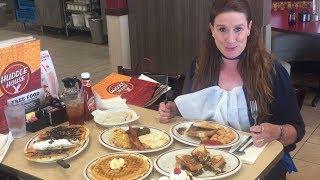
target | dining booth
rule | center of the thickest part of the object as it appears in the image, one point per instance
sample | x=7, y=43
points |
x=295, y=39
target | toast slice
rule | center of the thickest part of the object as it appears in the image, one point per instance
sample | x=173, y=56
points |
x=201, y=153
x=189, y=163
x=201, y=133
x=206, y=125
x=216, y=163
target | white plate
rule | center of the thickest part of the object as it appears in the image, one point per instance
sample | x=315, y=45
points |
x=104, y=140
x=166, y=162
x=35, y=138
x=196, y=141
x=109, y=124
x=87, y=172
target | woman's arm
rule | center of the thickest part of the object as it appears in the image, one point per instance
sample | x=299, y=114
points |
x=285, y=109
x=167, y=111
x=285, y=113
x=288, y=134
x=267, y=132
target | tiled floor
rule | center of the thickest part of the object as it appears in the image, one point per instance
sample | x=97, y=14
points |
x=73, y=57
x=307, y=154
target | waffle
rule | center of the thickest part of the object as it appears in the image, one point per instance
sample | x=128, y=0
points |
x=135, y=167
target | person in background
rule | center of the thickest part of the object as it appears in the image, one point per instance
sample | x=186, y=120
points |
x=233, y=71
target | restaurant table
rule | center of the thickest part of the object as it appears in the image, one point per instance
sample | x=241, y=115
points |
x=279, y=22
x=15, y=162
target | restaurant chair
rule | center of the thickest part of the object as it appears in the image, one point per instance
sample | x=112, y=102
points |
x=300, y=91
x=302, y=52
x=176, y=83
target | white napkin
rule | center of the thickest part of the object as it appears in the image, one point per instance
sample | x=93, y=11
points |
x=213, y=103
x=251, y=154
x=112, y=103
x=5, y=141
x=146, y=78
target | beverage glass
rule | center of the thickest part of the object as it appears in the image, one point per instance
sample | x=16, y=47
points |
x=15, y=115
x=75, y=111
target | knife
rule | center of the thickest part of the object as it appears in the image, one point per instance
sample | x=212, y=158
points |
x=63, y=164
x=166, y=93
x=244, y=143
x=156, y=95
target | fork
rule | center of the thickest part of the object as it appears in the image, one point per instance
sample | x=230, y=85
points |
x=254, y=111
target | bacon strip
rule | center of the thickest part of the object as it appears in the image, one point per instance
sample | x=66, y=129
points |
x=136, y=144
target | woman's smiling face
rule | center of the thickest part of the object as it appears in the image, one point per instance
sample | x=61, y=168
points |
x=230, y=31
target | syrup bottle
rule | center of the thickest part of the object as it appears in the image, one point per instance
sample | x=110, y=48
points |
x=89, y=102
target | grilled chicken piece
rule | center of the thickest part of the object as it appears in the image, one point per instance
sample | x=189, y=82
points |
x=189, y=163
x=201, y=153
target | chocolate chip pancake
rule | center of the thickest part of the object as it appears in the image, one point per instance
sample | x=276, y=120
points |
x=74, y=132
x=57, y=143
x=135, y=166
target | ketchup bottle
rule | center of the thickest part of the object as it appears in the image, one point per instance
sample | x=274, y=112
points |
x=89, y=102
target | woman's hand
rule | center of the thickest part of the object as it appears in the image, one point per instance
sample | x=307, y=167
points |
x=167, y=111
x=264, y=133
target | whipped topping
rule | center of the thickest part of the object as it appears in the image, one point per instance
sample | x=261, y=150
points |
x=182, y=175
x=54, y=144
x=116, y=163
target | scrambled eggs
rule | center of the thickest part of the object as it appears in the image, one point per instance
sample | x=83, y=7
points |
x=154, y=139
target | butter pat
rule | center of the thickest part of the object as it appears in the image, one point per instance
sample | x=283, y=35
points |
x=116, y=163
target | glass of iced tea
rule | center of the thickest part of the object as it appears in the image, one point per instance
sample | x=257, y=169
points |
x=75, y=111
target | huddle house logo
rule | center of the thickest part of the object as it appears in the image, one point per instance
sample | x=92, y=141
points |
x=120, y=87
x=15, y=77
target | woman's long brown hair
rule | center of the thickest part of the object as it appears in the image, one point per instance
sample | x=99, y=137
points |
x=255, y=65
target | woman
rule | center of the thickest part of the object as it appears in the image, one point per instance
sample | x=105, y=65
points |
x=233, y=70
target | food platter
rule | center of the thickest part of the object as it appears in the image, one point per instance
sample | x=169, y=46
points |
x=167, y=139
x=115, y=117
x=69, y=156
x=59, y=154
x=166, y=163
x=184, y=138
x=140, y=170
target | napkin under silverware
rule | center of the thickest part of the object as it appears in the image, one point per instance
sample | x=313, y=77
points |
x=5, y=141
x=251, y=153
x=112, y=103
